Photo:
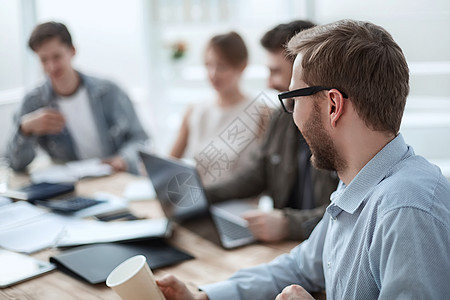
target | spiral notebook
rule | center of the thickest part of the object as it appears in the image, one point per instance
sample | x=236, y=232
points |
x=93, y=263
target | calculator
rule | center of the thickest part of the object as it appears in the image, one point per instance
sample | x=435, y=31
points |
x=69, y=205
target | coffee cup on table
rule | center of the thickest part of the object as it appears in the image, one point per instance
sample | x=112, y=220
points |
x=133, y=280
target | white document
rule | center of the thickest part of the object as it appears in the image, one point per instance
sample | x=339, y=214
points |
x=89, y=168
x=27, y=228
x=18, y=213
x=53, y=174
x=90, y=232
x=4, y=200
x=71, y=171
x=139, y=190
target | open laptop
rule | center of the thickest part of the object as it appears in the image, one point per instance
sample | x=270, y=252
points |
x=179, y=189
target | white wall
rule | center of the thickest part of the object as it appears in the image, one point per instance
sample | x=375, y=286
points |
x=7, y=110
x=420, y=28
x=11, y=48
x=108, y=36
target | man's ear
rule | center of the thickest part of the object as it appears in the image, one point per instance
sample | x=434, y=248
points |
x=336, y=104
x=242, y=66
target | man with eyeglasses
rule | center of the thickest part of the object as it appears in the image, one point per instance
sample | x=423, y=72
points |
x=281, y=167
x=386, y=233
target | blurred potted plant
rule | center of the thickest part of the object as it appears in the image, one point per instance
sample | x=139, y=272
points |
x=178, y=50
x=177, y=53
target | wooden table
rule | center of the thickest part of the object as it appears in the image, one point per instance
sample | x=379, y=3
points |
x=211, y=262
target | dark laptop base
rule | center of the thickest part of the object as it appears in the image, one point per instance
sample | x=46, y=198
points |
x=203, y=226
x=180, y=192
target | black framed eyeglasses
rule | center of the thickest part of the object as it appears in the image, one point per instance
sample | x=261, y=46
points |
x=287, y=98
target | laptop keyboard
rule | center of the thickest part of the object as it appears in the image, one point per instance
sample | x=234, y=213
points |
x=230, y=229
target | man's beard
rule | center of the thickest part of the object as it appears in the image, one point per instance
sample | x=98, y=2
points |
x=324, y=153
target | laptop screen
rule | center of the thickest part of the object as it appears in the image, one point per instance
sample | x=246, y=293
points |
x=177, y=186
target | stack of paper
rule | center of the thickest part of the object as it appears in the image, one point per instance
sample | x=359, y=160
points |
x=27, y=228
x=89, y=232
x=71, y=171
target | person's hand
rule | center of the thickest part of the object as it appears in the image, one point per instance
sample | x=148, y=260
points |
x=42, y=121
x=267, y=227
x=118, y=163
x=174, y=289
x=294, y=292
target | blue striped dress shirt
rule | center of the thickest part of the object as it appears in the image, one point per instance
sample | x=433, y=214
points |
x=384, y=236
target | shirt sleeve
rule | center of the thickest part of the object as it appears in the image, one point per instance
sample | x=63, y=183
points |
x=126, y=131
x=249, y=181
x=21, y=149
x=301, y=222
x=303, y=266
x=411, y=264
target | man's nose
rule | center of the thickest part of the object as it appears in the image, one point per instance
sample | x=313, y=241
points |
x=50, y=66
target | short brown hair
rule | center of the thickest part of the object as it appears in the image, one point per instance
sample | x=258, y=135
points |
x=275, y=40
x=46, y=31
x=231, y=47
x=362, y=60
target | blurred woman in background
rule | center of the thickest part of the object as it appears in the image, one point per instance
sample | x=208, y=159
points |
x=220, y=134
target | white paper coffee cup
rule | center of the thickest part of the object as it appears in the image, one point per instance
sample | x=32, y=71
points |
x=133, y=280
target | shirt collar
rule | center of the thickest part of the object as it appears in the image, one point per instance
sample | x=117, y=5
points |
x=350, y=197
